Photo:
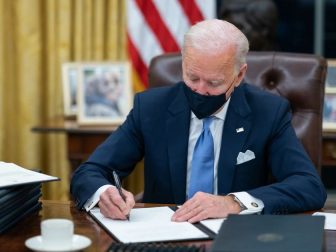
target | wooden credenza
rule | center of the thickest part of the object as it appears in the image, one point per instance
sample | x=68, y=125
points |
x=329, y=149
x=82, y=141
x=329, y=159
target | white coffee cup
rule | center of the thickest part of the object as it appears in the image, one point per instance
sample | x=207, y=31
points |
x=57, y=234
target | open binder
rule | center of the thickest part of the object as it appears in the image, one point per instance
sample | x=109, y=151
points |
x=151, y=225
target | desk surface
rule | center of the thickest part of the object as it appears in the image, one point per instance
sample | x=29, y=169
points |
x=13, y=240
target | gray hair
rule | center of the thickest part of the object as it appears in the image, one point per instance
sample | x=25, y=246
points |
x=214, y=36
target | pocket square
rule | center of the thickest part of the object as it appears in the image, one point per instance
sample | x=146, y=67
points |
x=244, y=157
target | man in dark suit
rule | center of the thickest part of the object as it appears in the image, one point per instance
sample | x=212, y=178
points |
x=208, y=143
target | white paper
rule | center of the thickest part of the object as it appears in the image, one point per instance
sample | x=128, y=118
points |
x=330, y=220
x=12, y=174
x=149, y=225
x=213, y=224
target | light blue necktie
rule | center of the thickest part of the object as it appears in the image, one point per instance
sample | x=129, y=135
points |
x=202, y=164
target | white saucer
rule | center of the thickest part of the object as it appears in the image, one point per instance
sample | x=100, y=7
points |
x=79, y=242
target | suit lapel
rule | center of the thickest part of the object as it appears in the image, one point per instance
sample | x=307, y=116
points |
x=238, y=117
x=177, y=132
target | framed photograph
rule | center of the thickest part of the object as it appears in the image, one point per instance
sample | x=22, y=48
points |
x=70, y=83
x=331, y=77
x=329, y=112
x=329, y=109
x=104, y=93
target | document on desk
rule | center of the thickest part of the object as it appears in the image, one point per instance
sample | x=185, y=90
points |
x=330, y=220
x=12, y=175
x=213, y=224
x=149, y=225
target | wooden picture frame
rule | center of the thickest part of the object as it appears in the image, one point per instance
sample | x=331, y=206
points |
x=329, y=108
x=70, y=85
x=104, y=93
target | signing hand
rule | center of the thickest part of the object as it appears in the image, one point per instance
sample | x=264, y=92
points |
x=113, y=206
x=203, y=206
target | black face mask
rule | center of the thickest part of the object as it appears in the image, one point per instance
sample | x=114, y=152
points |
x=203, y=105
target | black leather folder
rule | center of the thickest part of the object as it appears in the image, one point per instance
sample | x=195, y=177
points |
x=30, y=206
x=34, y=209
x=15, y=200
x=11, y=191
x=276, y=233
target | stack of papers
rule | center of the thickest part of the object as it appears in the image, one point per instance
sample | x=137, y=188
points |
x=20, y=191
x=213, y=224
x=330, y=220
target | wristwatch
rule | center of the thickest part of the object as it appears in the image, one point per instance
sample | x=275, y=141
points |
x=242, y=206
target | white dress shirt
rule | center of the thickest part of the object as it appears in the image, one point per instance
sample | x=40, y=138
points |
x=252, y=204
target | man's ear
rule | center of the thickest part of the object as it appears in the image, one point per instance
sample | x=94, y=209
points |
x=241, y=74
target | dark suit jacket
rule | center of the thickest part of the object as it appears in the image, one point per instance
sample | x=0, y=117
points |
x=157, y=129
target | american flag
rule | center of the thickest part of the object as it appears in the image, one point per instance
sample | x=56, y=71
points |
x=157, y=26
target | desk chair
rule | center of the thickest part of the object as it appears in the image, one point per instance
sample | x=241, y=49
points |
x=297, y=77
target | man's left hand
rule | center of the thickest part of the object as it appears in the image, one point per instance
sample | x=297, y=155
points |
x=204, y=206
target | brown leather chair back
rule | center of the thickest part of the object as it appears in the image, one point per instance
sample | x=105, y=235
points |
x=297, y=77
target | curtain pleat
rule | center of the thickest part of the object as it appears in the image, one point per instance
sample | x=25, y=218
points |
x=54, y=151
x=20, y=61
x=2, y=79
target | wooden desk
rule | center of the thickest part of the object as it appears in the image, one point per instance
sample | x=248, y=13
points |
x=13, y=240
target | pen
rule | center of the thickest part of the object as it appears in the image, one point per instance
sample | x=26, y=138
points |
x=118, y=185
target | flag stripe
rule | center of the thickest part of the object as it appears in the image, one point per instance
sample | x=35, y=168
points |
x=208, y=8
x=154, y=20
x=192, y=11
x=143, y=39
x=174, y=18
x=158, y=26
x=137, y=62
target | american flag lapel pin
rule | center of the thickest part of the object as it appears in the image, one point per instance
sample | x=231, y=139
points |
x=241, y=129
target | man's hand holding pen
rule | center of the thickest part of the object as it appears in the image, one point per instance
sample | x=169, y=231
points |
x=113, y=206
x=120, y=190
